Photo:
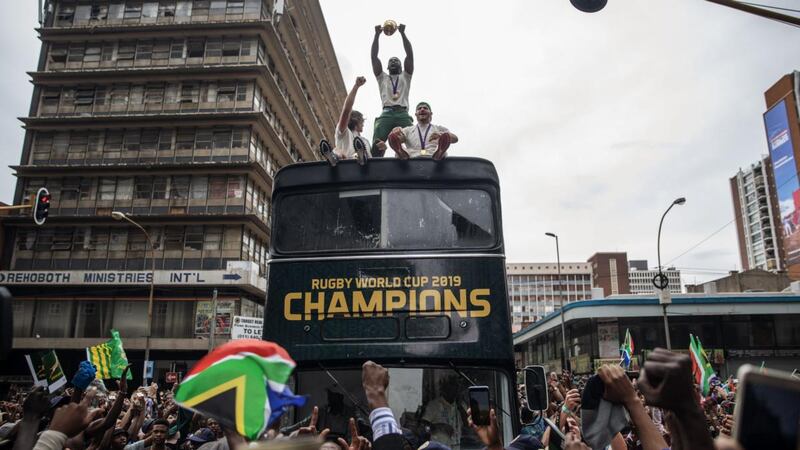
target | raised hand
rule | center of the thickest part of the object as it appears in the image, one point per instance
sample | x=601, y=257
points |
x=666, y=381
x=360, y=81
x=488, y=434
x=573, y=400
x=402, y=28
x=378, y=29
x=375, y=380
x=123, y=381
x=311, y=429
x=618, y=387
x=36, y=404
x=73, y=418
x=356, y=442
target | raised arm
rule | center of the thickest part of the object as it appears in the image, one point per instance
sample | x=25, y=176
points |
x=376, y=62
x=666, y=382
x=619, y=389
x=101, y=425
x=344, y=118
x=408, y=64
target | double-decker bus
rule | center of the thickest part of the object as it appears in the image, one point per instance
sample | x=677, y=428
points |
x=402, y=263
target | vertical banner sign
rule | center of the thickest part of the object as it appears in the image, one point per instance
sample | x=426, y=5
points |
x=784, y=166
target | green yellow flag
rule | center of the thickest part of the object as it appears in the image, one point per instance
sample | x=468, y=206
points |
x=109, y=357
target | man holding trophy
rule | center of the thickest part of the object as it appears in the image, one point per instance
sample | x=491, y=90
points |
x=394, y=87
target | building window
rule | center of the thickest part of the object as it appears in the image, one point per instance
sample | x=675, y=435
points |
x=54, y=308
x=107, y=188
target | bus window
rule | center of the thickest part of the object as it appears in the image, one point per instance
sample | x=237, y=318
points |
x=396, y=219
x=430, y=403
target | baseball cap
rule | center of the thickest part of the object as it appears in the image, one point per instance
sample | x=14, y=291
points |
x=118, y=431
x=203, y=435
x=525, y=442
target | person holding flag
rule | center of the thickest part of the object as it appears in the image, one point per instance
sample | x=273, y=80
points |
x=626, y=351
x=229, y=384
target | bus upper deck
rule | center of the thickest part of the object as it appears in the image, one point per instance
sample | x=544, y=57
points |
x=415, y=246
x=400, y=262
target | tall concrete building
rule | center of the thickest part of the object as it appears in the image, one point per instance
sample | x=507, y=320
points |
x=177, y=113
x=534, y=289
x=757, y=217
x=610, y=272
x=641, y=278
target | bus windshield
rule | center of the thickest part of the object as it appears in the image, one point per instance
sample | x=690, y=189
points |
x=430, y=403
x=397, y=219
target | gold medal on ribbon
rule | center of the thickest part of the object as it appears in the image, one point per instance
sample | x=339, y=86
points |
x=395, y=96
x=423, y=152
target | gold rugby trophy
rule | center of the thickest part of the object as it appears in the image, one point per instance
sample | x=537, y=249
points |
x=389, y=27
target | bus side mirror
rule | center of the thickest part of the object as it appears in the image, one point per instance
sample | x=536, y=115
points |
x=536, y=388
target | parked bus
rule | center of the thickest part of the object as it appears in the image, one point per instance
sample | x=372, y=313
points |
x=402, y=263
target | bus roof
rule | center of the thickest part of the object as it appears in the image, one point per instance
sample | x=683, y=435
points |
x=386, y=170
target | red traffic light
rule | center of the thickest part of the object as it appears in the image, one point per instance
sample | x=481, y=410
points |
x=41, y=206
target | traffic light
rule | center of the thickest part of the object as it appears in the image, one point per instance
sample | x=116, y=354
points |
x=41, y=206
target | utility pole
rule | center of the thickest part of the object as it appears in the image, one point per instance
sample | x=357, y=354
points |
x=212, y=334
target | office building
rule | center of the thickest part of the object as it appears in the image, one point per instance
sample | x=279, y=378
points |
x=640, y=278
x=177, y=113
x=610, y=272
x=534, y=289
x=757, y=217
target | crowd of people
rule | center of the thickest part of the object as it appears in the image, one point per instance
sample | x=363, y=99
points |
x=664, y=410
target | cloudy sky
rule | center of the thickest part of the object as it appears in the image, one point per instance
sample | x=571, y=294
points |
x=596, y=122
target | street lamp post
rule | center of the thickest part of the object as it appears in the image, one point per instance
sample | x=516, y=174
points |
x=661, y=281
x=117, y=215
x=564, y=355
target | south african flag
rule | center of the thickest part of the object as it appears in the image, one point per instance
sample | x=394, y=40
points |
x=242, y=384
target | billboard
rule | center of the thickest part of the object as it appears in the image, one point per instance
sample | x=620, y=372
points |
x=784, y=166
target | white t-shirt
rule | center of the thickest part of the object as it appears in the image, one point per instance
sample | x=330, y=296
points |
x=344, y=142
x=415, y=134
x=390, y=85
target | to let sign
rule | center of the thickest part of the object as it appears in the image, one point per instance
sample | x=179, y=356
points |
x=247, y=327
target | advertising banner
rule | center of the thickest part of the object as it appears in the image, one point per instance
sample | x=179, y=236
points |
x=608, y=338
x=224, y=314
x=247, y=327
x=46, y=370
x=784, y=166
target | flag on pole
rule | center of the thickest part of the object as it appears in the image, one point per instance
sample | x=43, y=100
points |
x=701, y=368
x=626, y=350
x=109, y=358
x=242, y=384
